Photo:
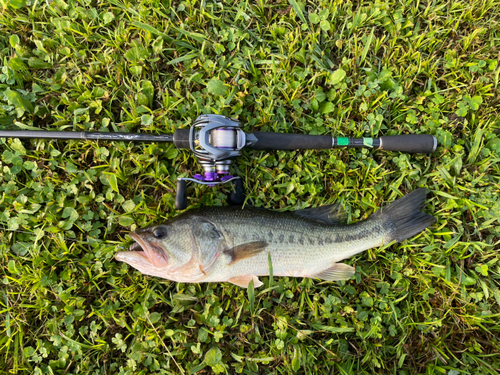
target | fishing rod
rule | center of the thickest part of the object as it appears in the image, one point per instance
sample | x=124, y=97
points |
x=217, y=140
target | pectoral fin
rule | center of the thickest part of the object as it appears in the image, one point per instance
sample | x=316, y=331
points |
x=244, y=280
x=339, y=271
x=245, y=250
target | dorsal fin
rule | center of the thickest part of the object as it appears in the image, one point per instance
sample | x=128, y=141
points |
x=331, y=214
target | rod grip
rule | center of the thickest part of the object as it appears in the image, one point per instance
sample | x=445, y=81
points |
x=411, y=143
x=281, y=141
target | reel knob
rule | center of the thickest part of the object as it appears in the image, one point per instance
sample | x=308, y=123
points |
x=180, y=196
x=237, y=196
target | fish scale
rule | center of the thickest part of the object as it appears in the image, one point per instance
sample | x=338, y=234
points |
x=219, y=244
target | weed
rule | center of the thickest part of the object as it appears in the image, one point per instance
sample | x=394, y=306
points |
x=428, y=305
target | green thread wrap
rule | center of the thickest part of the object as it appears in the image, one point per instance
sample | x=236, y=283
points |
x=342, y=141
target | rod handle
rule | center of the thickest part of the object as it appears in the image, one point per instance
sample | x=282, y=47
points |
x=411, y=143
x=283, y=141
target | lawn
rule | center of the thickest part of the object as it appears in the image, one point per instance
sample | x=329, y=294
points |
x=428, y=305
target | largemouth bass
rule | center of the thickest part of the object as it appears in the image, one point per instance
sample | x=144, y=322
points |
x=231, y=244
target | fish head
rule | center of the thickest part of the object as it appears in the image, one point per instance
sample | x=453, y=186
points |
x=182, y=251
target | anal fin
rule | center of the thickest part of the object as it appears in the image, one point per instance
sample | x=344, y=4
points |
x=244, y=280
x=339, y=271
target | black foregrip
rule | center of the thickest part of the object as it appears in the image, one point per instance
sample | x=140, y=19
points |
x=411, y=143
x=280, y=141
x=181, y=138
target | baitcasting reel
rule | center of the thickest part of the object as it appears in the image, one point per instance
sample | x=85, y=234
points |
x=215, y=140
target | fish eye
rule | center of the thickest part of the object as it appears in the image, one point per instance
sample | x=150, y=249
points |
x=159, y=233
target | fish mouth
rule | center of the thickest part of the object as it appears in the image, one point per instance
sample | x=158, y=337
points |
x=143, y=253
x=136, y=246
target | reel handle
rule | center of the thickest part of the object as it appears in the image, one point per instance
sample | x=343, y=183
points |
x=236, y=197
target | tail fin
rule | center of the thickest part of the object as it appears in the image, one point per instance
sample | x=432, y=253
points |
x=404, y=216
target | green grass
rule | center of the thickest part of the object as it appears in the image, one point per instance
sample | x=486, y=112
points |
x=429, y=305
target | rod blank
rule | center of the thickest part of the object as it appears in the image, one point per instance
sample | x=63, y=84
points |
x=126, y=137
